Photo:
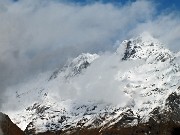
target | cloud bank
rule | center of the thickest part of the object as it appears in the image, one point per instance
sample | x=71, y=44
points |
x=40, y=35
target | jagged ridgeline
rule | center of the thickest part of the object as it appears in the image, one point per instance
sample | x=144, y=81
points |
x=147, y=94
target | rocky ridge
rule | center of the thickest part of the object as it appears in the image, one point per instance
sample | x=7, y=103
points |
x=7, y=127
x=150, y=85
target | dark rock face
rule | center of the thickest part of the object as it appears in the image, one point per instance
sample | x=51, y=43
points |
x=129, y=51
x=31, y=130
x=127, y=118
x=8, y=127
x=173, y=102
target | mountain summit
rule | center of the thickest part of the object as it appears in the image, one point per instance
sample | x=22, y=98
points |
x=132, y=91
x=144, y=47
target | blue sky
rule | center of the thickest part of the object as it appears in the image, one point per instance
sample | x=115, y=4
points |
x=162, y=4
x=168, y=4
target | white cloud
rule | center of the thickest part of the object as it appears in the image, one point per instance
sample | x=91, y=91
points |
x=37, y=36
x=165, y=27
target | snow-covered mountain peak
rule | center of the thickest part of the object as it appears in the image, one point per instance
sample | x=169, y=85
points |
x=144, y=47
x=75, y=66
x=140, y=76
x=82, y=59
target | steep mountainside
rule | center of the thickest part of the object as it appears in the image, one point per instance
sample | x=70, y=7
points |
x=75, y=67
x=143, y=77
x=7, y=127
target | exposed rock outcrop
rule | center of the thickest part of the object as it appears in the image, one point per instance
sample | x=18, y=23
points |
x=8, y=127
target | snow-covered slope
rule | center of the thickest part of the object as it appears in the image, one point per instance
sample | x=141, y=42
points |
x=140, y=75
x=75, y=67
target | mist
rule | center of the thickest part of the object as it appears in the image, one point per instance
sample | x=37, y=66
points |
x=38, y=36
